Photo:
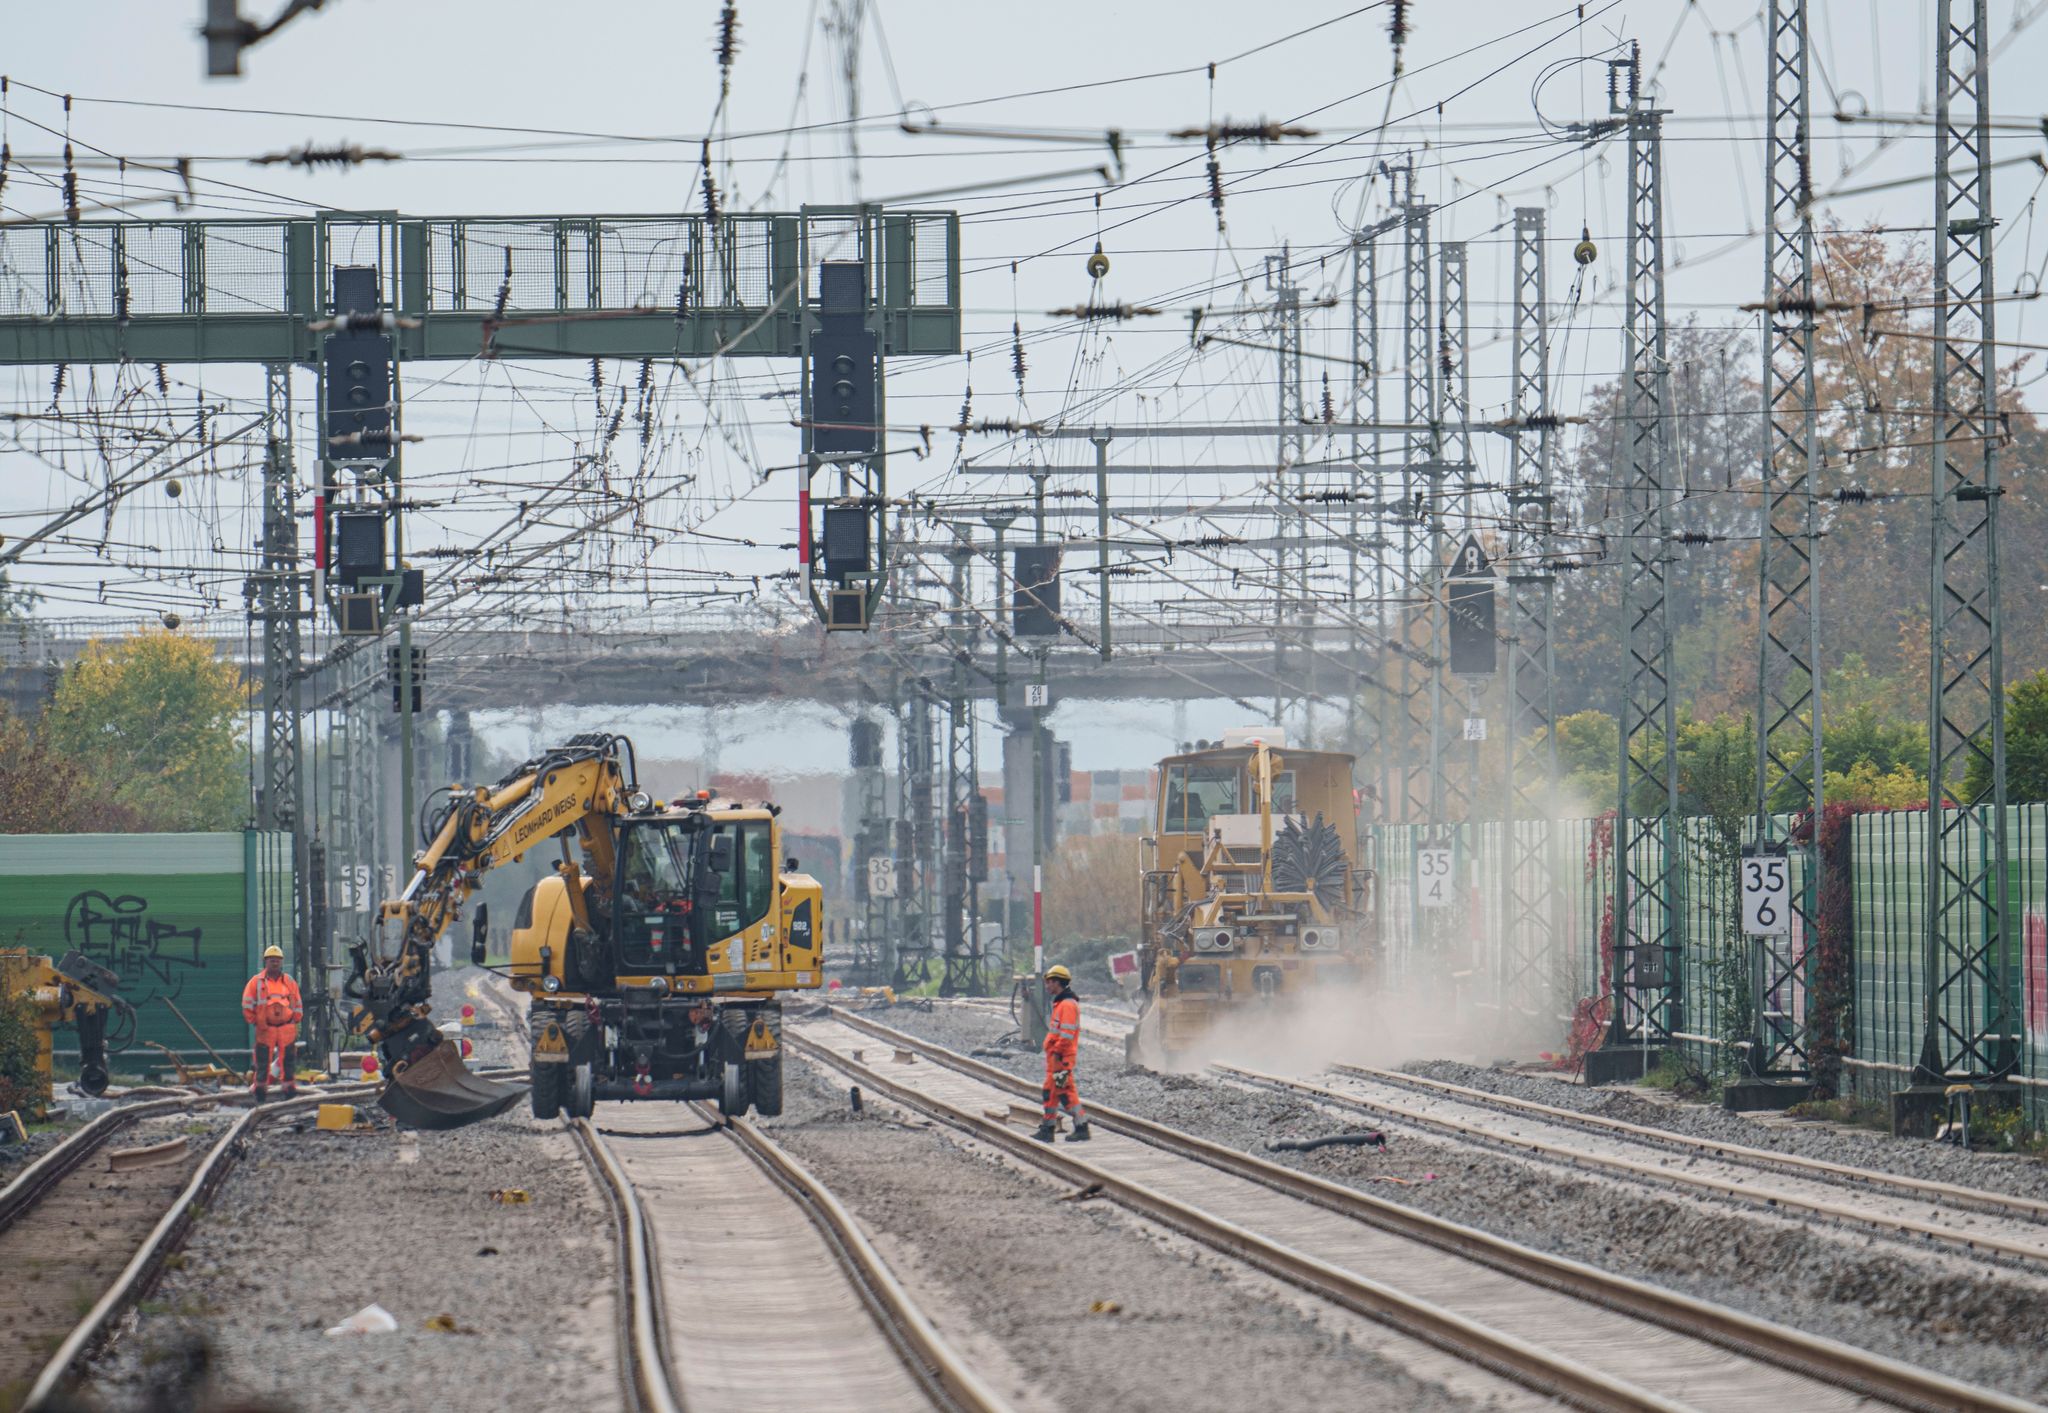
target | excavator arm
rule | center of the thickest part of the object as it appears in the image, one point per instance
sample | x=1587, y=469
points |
x=576, y=786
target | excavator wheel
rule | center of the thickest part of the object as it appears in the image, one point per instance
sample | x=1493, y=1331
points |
x=765, y=1079
x=548, y=1083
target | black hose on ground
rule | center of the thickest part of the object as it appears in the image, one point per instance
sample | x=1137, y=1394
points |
x=1371, y=1138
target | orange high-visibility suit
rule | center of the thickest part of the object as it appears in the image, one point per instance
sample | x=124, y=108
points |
x=272, y=1005
x=1062, y=1048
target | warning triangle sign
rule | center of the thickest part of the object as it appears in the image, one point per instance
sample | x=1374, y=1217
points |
x=1471, y=562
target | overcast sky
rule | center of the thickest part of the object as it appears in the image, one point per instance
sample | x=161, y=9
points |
x=515, y=107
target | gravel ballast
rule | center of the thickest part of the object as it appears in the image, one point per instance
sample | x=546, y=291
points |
x=1010, y=1272
x=2015, y=1174
x=1964, y=1318
x=312, y=1227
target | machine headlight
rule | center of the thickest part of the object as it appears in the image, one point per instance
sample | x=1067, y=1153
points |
x=657, y=983
x=639, y=802
x=551, y=983
x=1212, y=939
x=1320, y=939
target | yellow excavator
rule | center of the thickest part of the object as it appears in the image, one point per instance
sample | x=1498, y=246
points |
x=74, y=991
x=654, y=962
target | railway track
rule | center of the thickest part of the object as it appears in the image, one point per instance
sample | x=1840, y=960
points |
x=113, y=1240
x=1964, y=1219
x=59, y=1184
x=1557, y=1326
x=733, y=1258
x=1969, y=1220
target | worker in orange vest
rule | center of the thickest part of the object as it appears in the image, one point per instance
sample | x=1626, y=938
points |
x=270, y=1002
x=1062, y=1048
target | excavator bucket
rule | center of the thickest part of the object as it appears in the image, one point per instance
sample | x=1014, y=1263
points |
x=438, y=1091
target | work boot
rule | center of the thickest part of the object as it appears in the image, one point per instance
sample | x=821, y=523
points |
x=291, y=1078
x=1043, y=1133
x=1080, y=1133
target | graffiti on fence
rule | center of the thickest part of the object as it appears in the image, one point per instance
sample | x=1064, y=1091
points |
x=151, y=956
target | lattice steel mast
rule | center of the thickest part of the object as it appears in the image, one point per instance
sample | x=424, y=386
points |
x=1647, y=988
x=1971, y=1023
x=1788, y=757
x=1529, y=894
x=277, y=602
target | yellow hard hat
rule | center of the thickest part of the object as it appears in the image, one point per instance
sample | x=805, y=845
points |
x=1057, y=973
x=273, y=951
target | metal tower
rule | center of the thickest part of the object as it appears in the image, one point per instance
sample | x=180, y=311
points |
x=1292, y=607
x=1529, y=882
x=1648, y=987
x=1971, y=1022
x=1788, y=759
x=1419, y=500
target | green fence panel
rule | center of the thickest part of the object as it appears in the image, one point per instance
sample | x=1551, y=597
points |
x=180, y=918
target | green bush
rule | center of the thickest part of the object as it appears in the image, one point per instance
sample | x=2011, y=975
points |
x=2026, y=746
x=20, y=1088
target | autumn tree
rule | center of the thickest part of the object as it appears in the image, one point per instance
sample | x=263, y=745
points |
x=155, y=721
x=43, y=791
x=1873, y=378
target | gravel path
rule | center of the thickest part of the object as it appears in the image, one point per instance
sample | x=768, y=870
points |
x=1010, y=1274
x=1947, y=1313
x=312, y=1226
x=2013, y=1173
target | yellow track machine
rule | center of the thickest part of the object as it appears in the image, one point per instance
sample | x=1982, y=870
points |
x=1254, y=897
x=75, y=991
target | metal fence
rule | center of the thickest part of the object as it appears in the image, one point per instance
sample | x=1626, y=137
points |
x=181, y=919
x=1466, y=946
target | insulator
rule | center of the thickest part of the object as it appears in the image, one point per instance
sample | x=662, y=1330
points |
x=1853, y=497
x=1216, y=189
x=1329, y=403
x=1017, y=355
x=57, y=385
x=70, y=187
x=728, y=44
x=163, y=381
x=710, y=187
x=504, y=288
x=1585, y=252
x=1691, y=537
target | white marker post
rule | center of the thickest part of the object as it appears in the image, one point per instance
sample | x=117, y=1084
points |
x=1037, y=920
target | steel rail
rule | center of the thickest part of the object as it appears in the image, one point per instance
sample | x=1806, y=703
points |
x=1827, y=1360
x=164, y=1238
x=1654, y=1172
x=2006, y=1204
x=169, y=1232
x=926, y=1350
x=32, y=1182
x=643, y=1341
x=1466, y=1339
x=1966, y=1198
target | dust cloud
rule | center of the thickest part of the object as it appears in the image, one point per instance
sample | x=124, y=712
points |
x=1363, y=1024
